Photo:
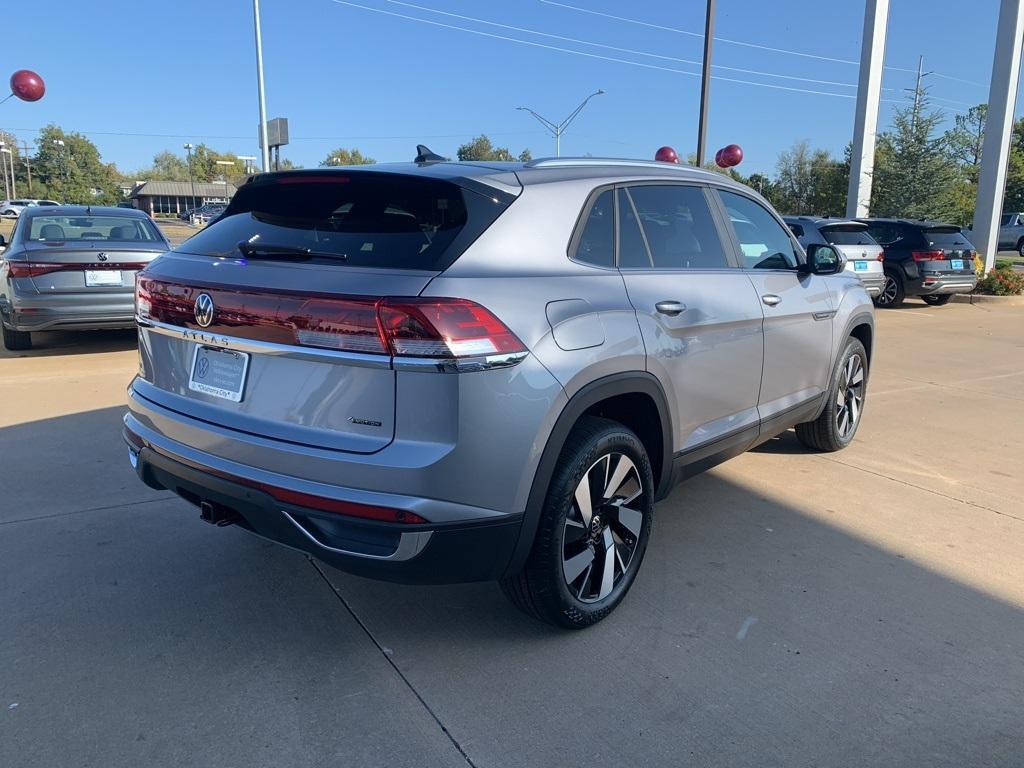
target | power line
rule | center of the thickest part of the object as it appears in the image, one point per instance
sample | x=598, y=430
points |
x=617, y=48
x=739, y=42
x=294, y=138
x=585, y=54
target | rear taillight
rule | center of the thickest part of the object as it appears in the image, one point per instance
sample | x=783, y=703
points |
x=881, y=256
x=928, y=255
x=400, y=327
x=38, y=268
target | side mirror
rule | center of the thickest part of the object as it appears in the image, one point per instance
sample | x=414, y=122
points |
x=823, y=260
x=3, y=243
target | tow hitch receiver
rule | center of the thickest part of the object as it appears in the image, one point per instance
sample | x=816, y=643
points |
x=217, y=514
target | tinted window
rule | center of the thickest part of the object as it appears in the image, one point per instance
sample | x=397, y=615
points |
x=946, y=238
x=361, y=219
x=1005, y=219
x=632, y=250
x=597, y=241
x=847, y=235
x=764, y=243
x=92, y=227
x=680, y=231
x=884, y=233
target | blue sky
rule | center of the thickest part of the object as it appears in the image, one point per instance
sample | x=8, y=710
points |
x=344, y=75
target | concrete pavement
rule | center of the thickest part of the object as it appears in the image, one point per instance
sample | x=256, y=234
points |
x=860, y=608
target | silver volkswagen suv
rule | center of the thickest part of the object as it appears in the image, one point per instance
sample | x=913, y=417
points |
x=439, y=372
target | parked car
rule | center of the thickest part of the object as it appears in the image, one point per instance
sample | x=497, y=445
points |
x=440, y=372
x=923, y=258
x=73, y=268
x=203, y=212
x=863, y=255
x=1011, y=232
x=11, y=209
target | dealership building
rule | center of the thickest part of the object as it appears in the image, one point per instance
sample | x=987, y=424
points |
x=173, y=197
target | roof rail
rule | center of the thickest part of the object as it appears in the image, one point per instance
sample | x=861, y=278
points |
x=575, y=162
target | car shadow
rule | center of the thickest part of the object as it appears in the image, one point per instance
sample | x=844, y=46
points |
x=756, y=633
x=51, y=343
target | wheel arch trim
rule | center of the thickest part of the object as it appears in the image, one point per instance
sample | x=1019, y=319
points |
x=638, y=382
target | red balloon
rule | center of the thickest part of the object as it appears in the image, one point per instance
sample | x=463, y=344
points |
x=729, y=156
x=666, y=155
x=27, y=85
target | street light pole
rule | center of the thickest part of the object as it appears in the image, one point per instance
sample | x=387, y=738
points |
x=10, y=161
x=3, y=166
x=557, y=129
x=264, y=149
x=191, y=177
x=705, y=83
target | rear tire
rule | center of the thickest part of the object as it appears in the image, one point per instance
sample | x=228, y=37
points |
x=893, y=293
x=587, y=550
x=835, y=427
x=17, y=341
x=937, y=300
x=1020, y=248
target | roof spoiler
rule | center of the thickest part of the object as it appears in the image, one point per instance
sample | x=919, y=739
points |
x=424, y=155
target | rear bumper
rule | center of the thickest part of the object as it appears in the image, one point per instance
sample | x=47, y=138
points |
x=947, y=284
x=873, y=283
x=46, y=314
x=413, y=554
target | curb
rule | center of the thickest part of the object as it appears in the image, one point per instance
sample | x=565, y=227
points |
x=981, y=298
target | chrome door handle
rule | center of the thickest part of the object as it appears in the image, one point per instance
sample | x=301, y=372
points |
x=771, y=299
x=670, y=308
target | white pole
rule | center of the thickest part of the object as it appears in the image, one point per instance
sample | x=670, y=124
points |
x=995, y=151
x=264, y=149
x=869, y=87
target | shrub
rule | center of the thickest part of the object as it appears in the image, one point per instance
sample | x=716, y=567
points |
x=1004, y=280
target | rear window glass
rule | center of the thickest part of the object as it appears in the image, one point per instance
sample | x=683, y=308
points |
x=944, y=238
x=847, y=235
x=1005, y=219
x=596, y=245
x=92, y=227
x=367, y=220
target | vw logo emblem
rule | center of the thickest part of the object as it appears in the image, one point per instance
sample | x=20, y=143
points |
x=204, y=310
x=101, y=256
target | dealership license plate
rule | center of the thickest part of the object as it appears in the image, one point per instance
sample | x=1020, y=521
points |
x=99, y=277
x=860, y=266
x=956, y=263
x=219, y=372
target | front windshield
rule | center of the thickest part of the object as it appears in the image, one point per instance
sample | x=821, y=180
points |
x=93, y=227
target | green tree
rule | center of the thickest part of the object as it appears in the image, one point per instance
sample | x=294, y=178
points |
x=809, y=181
x=73, y=171
x=481, y=148
x=343, y=156
x=167, y=166
x=914, y=175
x=965, y=139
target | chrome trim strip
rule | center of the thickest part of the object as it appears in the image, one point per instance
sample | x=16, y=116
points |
x=410, y=543
x=465, y=365
x=437, y=365
x=266, y=347
x=824, y=315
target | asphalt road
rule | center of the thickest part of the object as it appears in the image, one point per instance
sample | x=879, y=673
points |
x=863, y=608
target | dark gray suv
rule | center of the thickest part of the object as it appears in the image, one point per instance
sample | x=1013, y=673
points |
x=440, y=372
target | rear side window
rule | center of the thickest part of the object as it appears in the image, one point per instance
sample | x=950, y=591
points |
x=677, y=223
x=847, y=235
x=367, y=219
x=764, y=243
x=597, y=241
x=632, y=249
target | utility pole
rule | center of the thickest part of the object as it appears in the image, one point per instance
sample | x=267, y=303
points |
x=705, y=83
x=3, y=165
x=869, y=87
x=918, y=91
x=191, y=177
x=264, y=149
x=28, y=167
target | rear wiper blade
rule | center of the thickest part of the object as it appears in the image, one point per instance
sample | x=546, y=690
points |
x=269, y=250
